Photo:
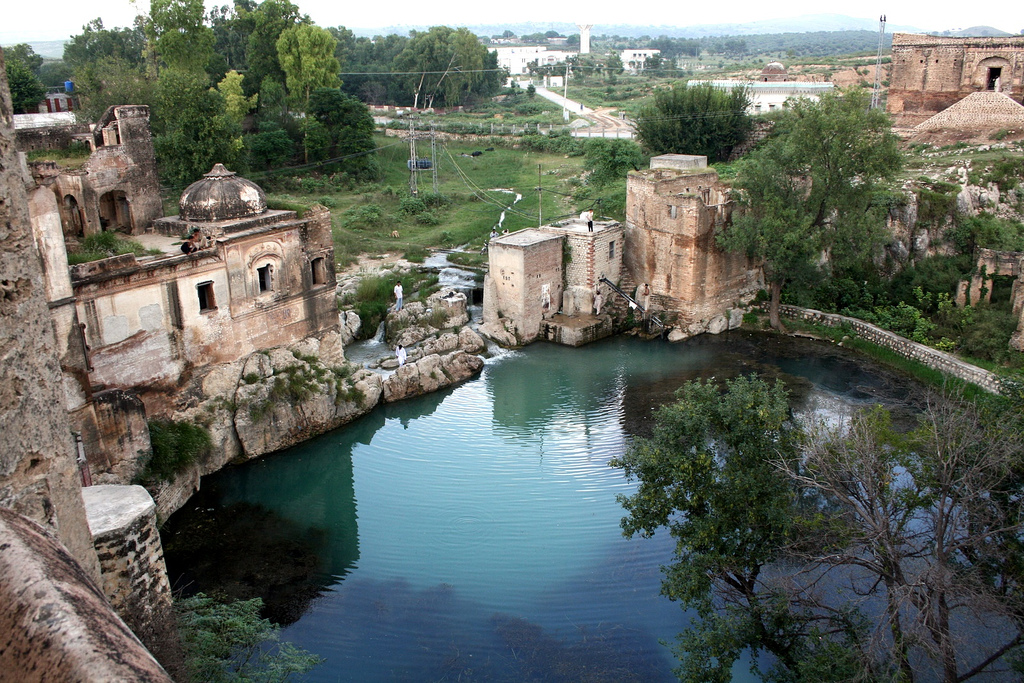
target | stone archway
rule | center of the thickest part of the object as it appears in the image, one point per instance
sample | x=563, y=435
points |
x=115, y=212
x=992, y=73
x=74, y=219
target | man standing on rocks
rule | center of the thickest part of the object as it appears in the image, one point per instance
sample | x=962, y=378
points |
x=398, y=297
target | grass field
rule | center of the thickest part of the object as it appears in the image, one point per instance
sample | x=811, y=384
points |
x=465, y=210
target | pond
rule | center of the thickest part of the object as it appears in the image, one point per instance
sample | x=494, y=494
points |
x=473, y=534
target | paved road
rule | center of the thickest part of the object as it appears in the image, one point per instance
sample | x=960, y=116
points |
x=604, y=124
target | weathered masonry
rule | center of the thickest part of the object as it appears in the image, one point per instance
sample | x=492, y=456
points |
x=931, y=73
x=672, y=212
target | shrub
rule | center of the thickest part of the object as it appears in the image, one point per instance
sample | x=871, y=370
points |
x=176, y=445
x=104, y=245
x=229, y=641
x=412, y=206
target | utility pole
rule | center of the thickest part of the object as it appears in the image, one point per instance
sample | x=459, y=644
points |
x=565, y=95
x=540, y=200
x=876, y=94
x=433, y=155
x=413, y=189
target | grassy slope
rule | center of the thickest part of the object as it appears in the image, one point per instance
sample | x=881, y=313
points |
x=472, y=214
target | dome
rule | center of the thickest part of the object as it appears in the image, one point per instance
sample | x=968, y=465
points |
x=773, y=68
x=221, y=195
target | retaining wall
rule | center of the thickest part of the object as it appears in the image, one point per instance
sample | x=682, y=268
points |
x=932, y=358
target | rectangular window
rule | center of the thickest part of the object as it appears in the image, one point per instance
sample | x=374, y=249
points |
x=206, y=300
x=319, y=271
x=671, y=212
x=611, y=248
x=264, y=275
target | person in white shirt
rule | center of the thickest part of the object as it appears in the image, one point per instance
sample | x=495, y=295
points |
x=400, y=355
x=398, y=297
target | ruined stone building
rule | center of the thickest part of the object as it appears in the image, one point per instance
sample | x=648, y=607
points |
x=540, y=277
x=672, y=210
x=931, y=73
x=116, y=188
x=541, y=281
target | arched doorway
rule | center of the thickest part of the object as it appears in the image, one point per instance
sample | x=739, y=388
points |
x=115, y=212
x=74, y=221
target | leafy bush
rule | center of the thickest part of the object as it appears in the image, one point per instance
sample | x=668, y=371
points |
x=428, y=218
x=230, y=642
x=367, y=214
x=176, y=445
x=412, y=206
x=987, y=231
x=415, y=254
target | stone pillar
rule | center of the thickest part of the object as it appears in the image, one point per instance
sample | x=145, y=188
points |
x=124, y=531
x=39, y=477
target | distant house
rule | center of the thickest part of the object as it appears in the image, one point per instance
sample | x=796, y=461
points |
x=518, y=59
x=634, y=59
x=773, y=89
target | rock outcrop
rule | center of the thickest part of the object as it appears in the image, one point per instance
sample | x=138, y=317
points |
x=431, y=373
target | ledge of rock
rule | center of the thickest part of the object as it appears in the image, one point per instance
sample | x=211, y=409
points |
x=431, y=373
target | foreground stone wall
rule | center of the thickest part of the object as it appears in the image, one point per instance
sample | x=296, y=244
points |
x=38, y=475
x=124, y=532
x=932, y=358
x=57, y=625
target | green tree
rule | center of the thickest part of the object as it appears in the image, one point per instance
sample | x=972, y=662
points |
x=266, y=23
x=96, y=42
x=109, y=81
x=192, y=130
x=26, y=90
x=183, y=41
x=236, y=104
x=449, y=66
x=810, y=190
x=694, y=119
x=610, y=160
x=231, y=643
x=709, y=473
x=306, y=55
x=24, y=53
x=339, y=125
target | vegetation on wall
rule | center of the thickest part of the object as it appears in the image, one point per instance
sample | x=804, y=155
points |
x=176, y=445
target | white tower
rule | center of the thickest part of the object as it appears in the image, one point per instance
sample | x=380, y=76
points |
x=584, y=38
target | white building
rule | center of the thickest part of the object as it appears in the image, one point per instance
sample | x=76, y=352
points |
x=765, y=97
x=634, y=59
x=517, y=59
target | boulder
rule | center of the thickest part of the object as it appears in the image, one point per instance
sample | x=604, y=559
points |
x=350, y=324
x=430, y=373
x=718, y=324
x=677, y=334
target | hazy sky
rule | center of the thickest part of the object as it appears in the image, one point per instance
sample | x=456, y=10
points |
x=21, y=20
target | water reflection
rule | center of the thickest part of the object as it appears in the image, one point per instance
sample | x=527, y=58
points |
x=476, y=530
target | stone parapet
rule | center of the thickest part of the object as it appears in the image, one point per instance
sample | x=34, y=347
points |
x=57, y=624
x=932, y=358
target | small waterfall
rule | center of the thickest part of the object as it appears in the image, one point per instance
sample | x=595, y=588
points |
x=379, y=337
x=501, y=219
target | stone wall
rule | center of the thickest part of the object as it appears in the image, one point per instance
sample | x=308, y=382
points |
x=123, y=523
x=932, y=358
x=57, y=625
x=38, y=474
x=930, y=73
x=524, y=281
x=671, y=218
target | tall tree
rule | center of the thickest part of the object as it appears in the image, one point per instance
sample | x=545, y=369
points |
x=108, y=81
x=192, y=129
x=236, y=104
x=267, y=22
x=448, y=66
x=809, y=190
x=694, y=119
x=926, y=527
x=26, y=90
x=306, y=55
x=709, y=475
x=183, y=41
x=339, y=126
x=24, y=53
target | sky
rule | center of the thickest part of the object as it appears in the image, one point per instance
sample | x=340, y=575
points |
x=22, y=21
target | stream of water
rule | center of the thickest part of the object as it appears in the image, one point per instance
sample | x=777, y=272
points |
x=474, y=533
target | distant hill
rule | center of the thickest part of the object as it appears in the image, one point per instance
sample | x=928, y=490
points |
x=811, y=22
x=976, y=32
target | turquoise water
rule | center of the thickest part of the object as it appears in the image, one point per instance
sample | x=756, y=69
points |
x=474, y=534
